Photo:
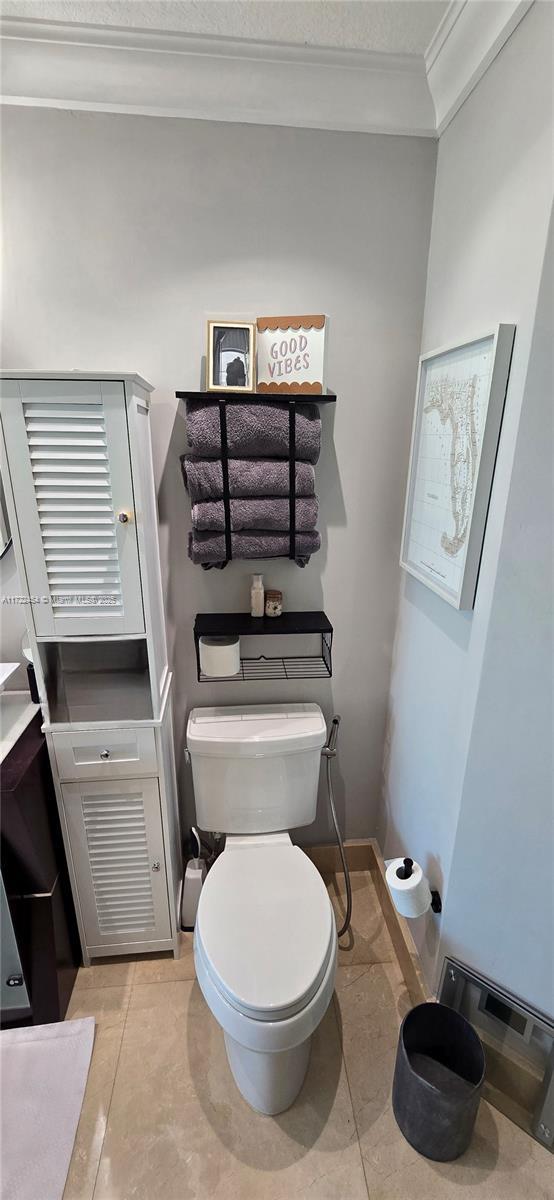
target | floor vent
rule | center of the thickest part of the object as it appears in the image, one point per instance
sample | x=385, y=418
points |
x=519, y=1047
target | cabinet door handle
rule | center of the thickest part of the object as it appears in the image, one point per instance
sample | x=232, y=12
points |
x=156, y=865
x=104, y=754
x=123, y=517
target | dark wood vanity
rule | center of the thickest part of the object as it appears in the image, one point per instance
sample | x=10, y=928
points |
x=37, y=887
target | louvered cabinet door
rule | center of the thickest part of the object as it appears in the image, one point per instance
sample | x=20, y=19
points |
x=116, y=838
x=69, y=464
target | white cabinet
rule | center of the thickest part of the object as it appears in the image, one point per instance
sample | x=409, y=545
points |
x=79, y=484
x=67, y=444
x=117, y=848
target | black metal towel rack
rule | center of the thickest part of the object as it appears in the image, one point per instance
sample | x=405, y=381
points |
x=239, y=397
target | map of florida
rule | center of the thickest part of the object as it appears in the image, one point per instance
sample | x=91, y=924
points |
x=455, y=402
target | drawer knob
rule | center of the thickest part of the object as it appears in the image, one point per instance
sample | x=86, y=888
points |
x=104, y=754
x=156, y=865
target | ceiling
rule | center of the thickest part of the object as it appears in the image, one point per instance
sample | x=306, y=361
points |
x=387, y=26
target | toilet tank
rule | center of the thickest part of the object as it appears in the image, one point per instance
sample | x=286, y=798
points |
x=255, y=768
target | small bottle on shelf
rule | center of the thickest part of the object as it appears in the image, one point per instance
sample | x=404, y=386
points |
x=257, y=596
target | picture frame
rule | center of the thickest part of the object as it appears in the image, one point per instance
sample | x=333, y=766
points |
x=460, y=396
x=291, y=354
x=231, y=356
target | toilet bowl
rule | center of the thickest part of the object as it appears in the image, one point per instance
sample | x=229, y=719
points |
x=265, y=942
x=265, y=951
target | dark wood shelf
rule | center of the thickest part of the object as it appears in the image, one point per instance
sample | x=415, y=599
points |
x=241, y=397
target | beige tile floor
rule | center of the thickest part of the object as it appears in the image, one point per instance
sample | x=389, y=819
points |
x=163, y=1120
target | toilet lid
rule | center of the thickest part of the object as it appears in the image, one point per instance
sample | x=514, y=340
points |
x=265, y=928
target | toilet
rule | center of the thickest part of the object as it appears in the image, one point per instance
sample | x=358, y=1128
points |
x=265, y=942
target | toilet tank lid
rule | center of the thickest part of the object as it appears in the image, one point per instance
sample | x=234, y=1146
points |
x=255, y=729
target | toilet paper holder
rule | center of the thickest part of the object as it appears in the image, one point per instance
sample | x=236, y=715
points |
x=405, y=872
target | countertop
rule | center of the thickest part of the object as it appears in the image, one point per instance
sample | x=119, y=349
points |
x=16, y=712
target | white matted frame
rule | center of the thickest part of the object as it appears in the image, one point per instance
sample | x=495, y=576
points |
x=460, y=395
x=243, y=348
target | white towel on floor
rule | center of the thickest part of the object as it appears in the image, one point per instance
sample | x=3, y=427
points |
x=43, y=1076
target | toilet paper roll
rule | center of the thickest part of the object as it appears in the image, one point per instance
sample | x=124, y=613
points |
x=220, y=656
x=411, y=897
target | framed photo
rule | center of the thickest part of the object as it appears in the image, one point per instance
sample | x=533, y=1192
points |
x=291, y=354
x=458, y=414
x=231, y=357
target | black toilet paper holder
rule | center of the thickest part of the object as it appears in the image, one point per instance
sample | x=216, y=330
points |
x=405, y=872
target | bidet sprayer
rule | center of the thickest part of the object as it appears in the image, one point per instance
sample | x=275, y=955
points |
x=329, y=752
x=330, y=748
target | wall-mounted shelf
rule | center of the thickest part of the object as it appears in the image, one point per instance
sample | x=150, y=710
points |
x=290, y=666
x=242, y=397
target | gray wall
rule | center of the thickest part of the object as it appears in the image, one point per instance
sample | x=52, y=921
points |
x=500, y=912
x=122, y=233
x=492, y=204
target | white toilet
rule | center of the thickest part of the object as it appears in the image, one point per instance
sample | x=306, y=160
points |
x=265, y=943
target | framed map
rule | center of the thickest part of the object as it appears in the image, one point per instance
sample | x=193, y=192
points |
x=458, y=414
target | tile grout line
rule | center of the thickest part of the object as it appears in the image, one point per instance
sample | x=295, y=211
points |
x=131, y=986
x=339, y=1033
x=154, y=982
x=102, y=987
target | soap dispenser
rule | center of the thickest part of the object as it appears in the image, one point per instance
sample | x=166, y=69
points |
x=257, y=596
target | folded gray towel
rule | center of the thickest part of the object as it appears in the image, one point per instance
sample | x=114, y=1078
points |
x=253, y=430
x=267, y=513
x=247, y=477
x=208, y=549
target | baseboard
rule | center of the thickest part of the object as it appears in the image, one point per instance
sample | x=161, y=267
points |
x=364, y=854
x=327, y=858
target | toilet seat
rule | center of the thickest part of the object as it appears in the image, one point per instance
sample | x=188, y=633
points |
x=265, y=930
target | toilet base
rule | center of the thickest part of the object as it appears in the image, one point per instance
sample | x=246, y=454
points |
x=269, y=1082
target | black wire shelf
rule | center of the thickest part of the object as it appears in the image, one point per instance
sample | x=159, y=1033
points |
x=288, y=667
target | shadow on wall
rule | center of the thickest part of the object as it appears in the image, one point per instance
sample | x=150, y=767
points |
x=426, y=930
x=410, y=761
x=452, y=622
x=189, y=590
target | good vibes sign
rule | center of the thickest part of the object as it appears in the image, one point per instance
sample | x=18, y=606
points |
x=291, y=354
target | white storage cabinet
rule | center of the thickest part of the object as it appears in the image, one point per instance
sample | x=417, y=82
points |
x=77, y=469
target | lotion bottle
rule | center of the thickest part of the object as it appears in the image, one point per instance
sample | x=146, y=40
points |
x=257, y=596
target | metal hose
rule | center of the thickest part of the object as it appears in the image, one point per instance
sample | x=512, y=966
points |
x=329, y=752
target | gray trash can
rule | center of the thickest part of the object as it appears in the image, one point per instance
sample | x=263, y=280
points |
x=439, y=1072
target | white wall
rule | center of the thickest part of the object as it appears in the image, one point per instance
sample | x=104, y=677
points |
x=121, y=234
x=492, y=203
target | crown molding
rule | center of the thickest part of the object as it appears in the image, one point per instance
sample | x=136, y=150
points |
x=108, y=69
x=468, y=39
x=103, y=68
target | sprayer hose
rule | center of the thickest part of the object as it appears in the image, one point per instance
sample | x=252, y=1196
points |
x=348, y=916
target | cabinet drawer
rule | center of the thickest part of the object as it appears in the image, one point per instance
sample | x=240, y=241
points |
x=110, y=754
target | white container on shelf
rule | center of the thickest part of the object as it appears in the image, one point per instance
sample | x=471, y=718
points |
x=220, y=656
